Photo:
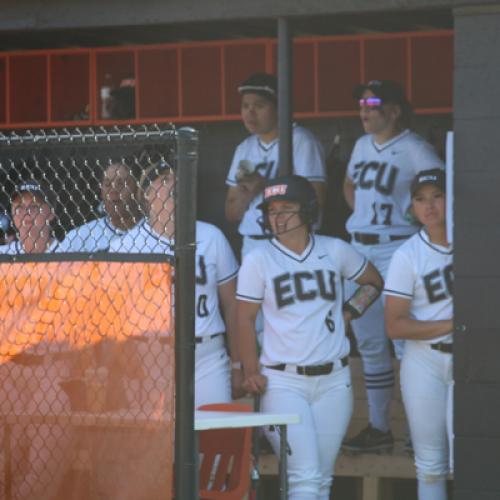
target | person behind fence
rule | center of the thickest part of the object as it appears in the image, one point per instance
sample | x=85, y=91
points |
x=122, y=209
x=380, y=170
x=297, y=279
x=419, y=309
x=216, y=271
x=30, y=386
x=256, y=158
x=7, y=231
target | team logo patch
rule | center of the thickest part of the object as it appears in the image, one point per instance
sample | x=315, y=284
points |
x=278, y=190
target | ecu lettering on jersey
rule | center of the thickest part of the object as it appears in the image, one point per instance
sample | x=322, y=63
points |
x=375, y=175
x=439, y=284
x=304, y=286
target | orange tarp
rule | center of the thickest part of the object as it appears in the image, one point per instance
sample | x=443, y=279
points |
x=80, y=303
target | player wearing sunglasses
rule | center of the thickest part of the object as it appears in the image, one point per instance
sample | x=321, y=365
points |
x=382, y=166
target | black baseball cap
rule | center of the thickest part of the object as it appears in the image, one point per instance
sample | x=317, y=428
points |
x=263, y=84
x=389, y=91
x=435, y=177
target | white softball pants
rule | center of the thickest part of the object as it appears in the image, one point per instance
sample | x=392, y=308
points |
x=212, y=373
x=324, y=404
x=427, y=388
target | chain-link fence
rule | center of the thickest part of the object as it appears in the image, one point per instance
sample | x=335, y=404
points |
x=86, y=306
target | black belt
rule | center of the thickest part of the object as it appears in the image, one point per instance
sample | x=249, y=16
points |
x=28, y=359
x=311, y=370
x=200, y=340
x=443, y=347
x=374, y=239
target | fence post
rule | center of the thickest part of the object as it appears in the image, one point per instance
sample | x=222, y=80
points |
x=185, y=247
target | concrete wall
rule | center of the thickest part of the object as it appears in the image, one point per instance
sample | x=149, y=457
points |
x=477, y=270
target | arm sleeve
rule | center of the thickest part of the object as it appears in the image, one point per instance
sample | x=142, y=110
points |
x=227, y=266
x=308, y=156
x=400, y=280
x=231, y=175
x=251, y=283
x=353, y=264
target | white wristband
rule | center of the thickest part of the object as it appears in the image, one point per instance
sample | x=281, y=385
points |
x=236, y=365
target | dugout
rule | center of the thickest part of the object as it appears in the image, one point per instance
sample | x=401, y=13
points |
x=476, y=118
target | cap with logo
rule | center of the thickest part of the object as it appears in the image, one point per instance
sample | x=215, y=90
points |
x=435, y=177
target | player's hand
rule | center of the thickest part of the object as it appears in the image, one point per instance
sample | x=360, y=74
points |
x=253, y=183
x=237, y=390
x=255, y=384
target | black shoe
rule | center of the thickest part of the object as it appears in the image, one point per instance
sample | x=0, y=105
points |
x=370, y=439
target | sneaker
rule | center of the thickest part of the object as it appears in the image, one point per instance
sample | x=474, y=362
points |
x=370, y=439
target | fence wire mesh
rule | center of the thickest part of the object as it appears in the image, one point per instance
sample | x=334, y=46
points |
x=86, y=307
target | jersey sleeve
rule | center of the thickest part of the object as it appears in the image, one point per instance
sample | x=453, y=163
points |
x=251, y=284
x=227, y=266
x=426, y=158
x=231, y=175
x=353, y=160
x=308, y=156
x=353, y=264
x=400, y=280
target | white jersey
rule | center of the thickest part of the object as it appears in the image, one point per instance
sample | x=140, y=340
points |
x=381, y=175
x=422, y=272
x=301, y=297
x=94, y=236
x=308, y=161
x=215, y=265
x=16, y=248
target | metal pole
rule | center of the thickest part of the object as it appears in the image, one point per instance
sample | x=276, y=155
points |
x=186, y=486
x=285, y=96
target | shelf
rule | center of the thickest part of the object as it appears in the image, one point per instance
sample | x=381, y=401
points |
x=198, y=82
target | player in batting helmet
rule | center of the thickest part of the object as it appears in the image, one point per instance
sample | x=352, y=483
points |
x=291, y=188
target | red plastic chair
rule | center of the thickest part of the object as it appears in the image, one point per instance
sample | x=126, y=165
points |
x=226, y=458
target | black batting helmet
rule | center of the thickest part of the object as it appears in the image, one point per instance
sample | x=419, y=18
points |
x=291, y=188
